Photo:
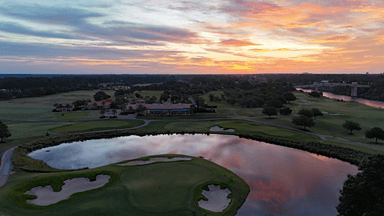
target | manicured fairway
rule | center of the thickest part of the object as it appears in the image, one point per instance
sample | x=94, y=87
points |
x=161, y=188
x=40, y=108
x=98, y=125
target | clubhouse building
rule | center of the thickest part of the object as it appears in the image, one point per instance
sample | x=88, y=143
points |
x=162, y=109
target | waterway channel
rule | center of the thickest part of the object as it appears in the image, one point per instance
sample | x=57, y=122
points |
x=376, y=104
x=283, y=181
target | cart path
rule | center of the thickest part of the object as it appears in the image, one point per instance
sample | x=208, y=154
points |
x=6, y=166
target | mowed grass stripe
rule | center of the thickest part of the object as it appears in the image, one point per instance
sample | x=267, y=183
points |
x=98, y=125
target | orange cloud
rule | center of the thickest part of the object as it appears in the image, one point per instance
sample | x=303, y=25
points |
x=271, y=50
x=339, y=39
x=238, y=43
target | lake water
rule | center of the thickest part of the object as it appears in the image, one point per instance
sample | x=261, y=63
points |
x=283, y=181
x=376, y=104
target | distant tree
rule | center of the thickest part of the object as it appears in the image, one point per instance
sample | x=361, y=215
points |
x=192, y=109
x=100, y=95
x=103, y=103
x=4, y=132
x=285, y=111
x=304, y=121
x=211, y=97
x=350, y=125
x=315, y=94
x=114, y=112
x=289, y=96
x=362, y=194
x=138, y=95
x=130, y=109
x=122, y=107
x=231, y=101
x=281, y=99
x=274, y=103
x=55, y=105
x=375, y=133
x=306, y=112
x=316, y=112
x=223, y=97
x=164, y=97
x=95, y=104
x=270, y=111
x=102, y=112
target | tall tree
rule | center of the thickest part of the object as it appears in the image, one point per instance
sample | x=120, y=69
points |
x=211, y=97
x=114, y=112
x=289, y=96
x=350, y=125
x=100, y=95
x=362, y=194
x=102, y=112
x=285, y=111
x=4, y=132
x=306, y=112
x=274, y=103
x=375, y=133
x=270, y=111
x=316, y=112
x=303, y=120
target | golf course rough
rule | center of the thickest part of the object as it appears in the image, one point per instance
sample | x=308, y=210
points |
x=158, y=188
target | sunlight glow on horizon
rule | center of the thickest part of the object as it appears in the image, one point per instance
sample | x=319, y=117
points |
x=220, y=36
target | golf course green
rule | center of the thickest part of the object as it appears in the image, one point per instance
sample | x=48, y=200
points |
x=160, y=188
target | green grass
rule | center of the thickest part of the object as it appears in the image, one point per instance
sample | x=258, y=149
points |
x=241, y=127
x=97, y=125
x=40, y=108
x=133, y=189
x=20, y=130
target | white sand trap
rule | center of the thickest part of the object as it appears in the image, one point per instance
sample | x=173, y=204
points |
x=334, y=114
x=46, y=195
x=219, y=129
x=324, y=112
x=152, y=160
x=217, y=199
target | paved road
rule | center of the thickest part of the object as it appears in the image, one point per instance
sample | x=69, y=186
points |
x=6, y=166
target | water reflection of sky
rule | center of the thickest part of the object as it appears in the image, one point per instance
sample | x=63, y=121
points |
x=376, y=104
x=283, y=181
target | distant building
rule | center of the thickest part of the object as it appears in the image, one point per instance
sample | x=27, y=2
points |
x=163, y=109
x=99, y=104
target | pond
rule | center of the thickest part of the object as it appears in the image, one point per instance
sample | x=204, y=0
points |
x=283, y=181
x=372, y=103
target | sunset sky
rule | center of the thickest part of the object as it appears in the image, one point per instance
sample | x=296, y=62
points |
x=198, y=37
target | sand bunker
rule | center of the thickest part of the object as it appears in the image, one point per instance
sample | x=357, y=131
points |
x=152, y=160
x=46, y=195
x=217, y=199
x=219, y=129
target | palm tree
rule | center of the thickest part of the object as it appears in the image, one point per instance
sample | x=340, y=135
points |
x=114, y=112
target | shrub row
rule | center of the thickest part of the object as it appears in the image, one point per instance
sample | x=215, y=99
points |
x=345, y=154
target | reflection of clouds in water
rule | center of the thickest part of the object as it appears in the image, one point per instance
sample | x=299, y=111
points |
x=279, y=177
